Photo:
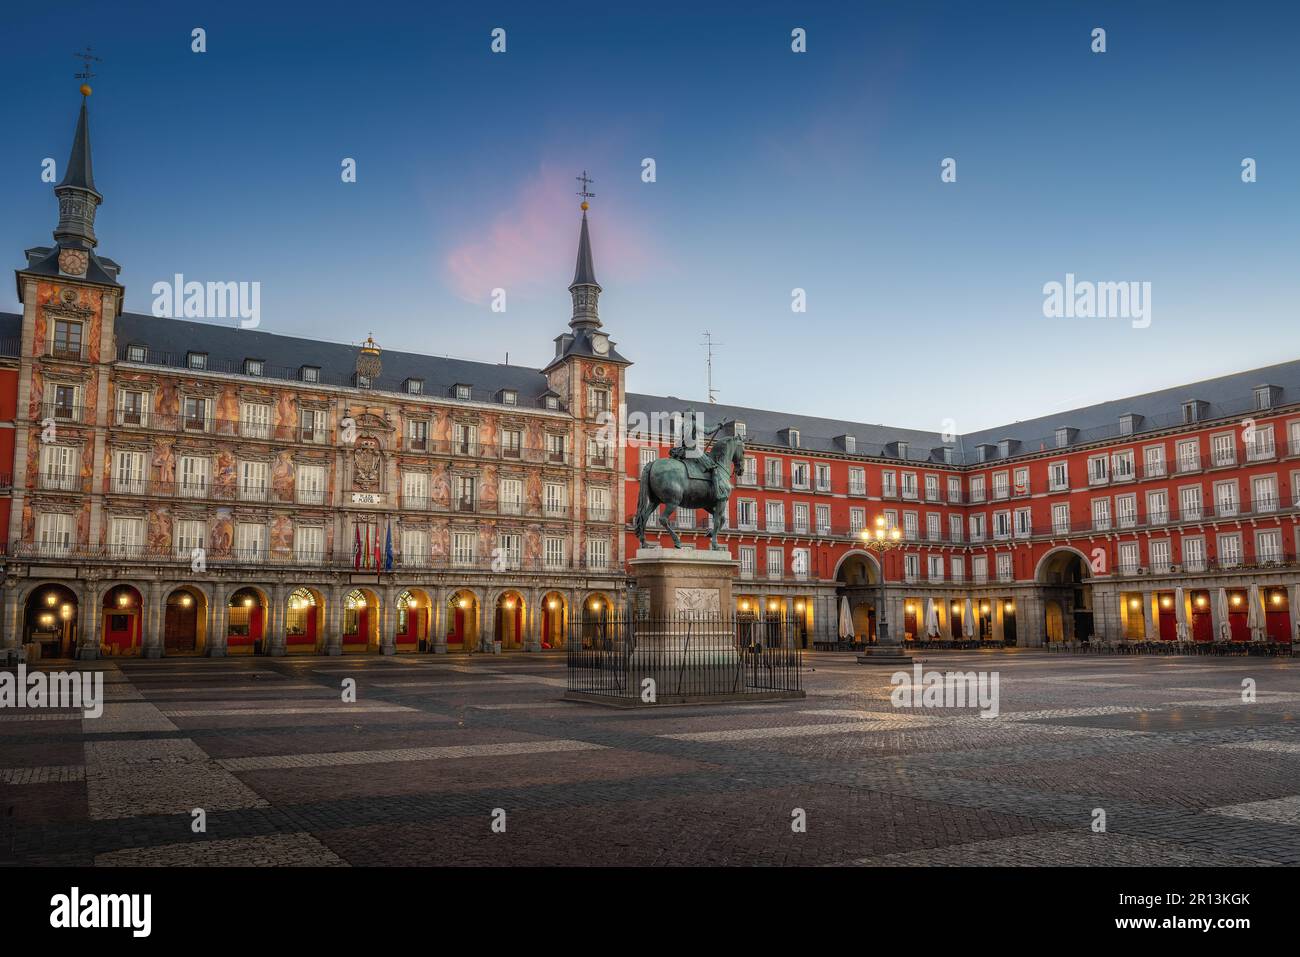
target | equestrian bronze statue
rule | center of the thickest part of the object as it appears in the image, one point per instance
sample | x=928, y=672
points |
x=690, y=478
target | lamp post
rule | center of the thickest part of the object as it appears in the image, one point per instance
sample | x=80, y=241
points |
x=886, y=651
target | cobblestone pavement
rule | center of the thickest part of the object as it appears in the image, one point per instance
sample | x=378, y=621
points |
x=446, y=760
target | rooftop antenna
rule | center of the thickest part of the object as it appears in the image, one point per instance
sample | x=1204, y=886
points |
x=708, y=344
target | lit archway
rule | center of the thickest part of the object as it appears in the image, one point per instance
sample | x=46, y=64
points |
x=411, y=621
x=508, y=624
x=50, y=620
x=360, y=622
x=555, y=624
x=123, y=622
x=597, y=611
x=462, y=621
x=185, y=622
x=303, y=634
x=245, y=621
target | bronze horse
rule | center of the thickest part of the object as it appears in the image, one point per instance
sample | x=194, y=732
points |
x=666, y=482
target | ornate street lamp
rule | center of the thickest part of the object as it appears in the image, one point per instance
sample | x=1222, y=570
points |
x=886, y=651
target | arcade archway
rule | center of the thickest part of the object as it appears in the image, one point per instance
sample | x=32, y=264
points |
x=303, y=634
x=185, y=620
x=50, y=620
x=123, y=622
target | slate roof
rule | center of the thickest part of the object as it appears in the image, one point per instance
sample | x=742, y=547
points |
x=1226, y=396
x=584, y=273
x=80, y=172
x=168, y=341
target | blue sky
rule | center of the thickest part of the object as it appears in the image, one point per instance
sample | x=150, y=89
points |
x=775, y=170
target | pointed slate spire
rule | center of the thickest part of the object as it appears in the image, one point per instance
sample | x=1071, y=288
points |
x=78, y=198
x=79, y=171
x=584, y=289
x=585, y=272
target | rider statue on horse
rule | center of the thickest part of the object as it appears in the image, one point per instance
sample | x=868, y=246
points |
x=691, y=477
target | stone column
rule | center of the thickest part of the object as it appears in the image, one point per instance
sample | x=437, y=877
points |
x=533, y=622
x=277, y=616
x=1148, y=628
x=10, y=627
x=438, y=620
x=1293, y=608
x=334, y=621
x=388, y=621
x=219, y=616
x=90, y=611
x=154, y=617
x=997, y=608
x=1030, y=626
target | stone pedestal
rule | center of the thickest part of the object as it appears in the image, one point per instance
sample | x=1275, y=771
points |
x=684, y=581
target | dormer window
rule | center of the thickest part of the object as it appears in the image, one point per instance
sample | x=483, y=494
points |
x=1064, y=436
x=460, y=391
x=790, y=436
x=196, y=360
x=552, y=402
x=137, y=353
x=1193, y=409
x=902, y=450
x=253, y=366
x=361, y=381
x=309, y=373
x=850, y=443
x=738, y=429
x=1267, y=396
x=1128, y=423
x=509, y=397
x=945, y=453
x=415, y=387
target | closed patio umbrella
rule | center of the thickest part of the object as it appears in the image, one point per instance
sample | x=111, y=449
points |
x=968, y=629
x=1180, y=615
x=846, y=619
x=1225, y=631
x=931, y=619
x=1254, y=616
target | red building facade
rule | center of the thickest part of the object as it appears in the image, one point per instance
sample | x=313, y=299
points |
x=1185, y=513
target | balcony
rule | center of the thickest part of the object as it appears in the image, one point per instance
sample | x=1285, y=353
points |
x=253, y=492
x=605, y=514
x=250, y=430
x=64, y=412
x=465, y=503
x=130, y=486
x=1260, y=452
x=773, y=480
x=311, y=496
x=60, y=482
x=193, y=488
x=857, y=488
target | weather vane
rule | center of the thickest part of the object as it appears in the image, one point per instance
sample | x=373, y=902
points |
x=586, y=181
x=87, y=58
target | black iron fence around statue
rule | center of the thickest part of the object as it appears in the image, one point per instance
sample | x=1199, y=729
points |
x=653, y=660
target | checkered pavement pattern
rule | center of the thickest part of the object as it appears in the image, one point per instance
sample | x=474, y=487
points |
x=469, y=761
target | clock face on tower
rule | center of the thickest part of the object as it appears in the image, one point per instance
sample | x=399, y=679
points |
x=73, y=262
x=600, y=344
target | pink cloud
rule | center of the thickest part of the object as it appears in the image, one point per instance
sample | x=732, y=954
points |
x=529, y=248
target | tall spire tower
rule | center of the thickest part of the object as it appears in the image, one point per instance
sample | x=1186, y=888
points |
x=584, y=289
x=78, y=198
x=74, y=251
x=585, y=338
